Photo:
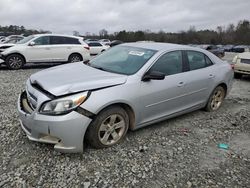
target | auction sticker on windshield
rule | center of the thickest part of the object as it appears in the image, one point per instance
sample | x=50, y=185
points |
x=136, y=53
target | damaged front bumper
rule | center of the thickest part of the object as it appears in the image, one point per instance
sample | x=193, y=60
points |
x=66, y=132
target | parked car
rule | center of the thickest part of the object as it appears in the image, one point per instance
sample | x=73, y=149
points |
x=127, y=87
x=228, y=48
x=239, y=49
x=96, y=48
x=215, y=50
x=241, y=64
x=115, y=42
x=91, y=40
x=105, y=42
x=46, y=48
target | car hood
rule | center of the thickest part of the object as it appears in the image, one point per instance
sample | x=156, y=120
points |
x=75, y=77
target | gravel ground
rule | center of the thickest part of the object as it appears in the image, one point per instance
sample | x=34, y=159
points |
x=181, y=152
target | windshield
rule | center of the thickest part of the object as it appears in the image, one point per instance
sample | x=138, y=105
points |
x=26, y=39
x=122, y=59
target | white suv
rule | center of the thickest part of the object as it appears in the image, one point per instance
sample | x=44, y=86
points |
x=46, y=48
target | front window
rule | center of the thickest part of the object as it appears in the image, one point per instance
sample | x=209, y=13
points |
x=169, y=63
x=26, y=39
x=122, y=59
x=44, y=40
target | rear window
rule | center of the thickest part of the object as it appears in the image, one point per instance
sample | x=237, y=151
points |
x=198, y=60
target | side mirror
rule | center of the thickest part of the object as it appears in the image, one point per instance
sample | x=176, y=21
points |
x=32, y=43
x=153, y=75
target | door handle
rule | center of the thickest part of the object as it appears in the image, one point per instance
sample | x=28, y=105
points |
x=47, y=48
x=180, y=84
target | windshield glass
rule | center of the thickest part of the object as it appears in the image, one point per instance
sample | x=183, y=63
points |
x=26, y=39
x=122, y=59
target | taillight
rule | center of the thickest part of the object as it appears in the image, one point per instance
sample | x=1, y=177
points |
x=86, y=47
x=232, y=66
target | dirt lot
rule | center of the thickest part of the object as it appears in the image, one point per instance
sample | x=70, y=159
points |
x=181, y=152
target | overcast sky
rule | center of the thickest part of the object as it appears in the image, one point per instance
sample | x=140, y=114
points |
x=65, y=16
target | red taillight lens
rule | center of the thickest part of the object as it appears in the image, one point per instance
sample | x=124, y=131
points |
x=232, y=66
x=86, y=47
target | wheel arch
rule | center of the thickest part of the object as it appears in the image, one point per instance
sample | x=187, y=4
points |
x=127, y=108
x=224, y=85
x=16, y=53
x=77, y=53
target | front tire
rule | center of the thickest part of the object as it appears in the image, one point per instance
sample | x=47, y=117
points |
x=216, y=98
x=14, y=61
x=108, y=128
x=74, y=58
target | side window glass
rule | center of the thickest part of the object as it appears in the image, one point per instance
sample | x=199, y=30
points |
x=208, y=61
x=42, y=40
x=56, y=40
x=169, y=63
x=69, y=40
x=196, y=60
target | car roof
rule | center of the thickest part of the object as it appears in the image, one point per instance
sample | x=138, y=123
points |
x=158, y=46
x=61, y=35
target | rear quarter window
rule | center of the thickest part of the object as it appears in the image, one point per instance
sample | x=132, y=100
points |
x=198, y=60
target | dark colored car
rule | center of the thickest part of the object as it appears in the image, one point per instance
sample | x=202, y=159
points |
x=228, y=48
x=215, y=50
x=239, y=49
x=115, y=42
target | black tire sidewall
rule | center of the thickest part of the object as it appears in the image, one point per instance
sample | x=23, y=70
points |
x=93, y=130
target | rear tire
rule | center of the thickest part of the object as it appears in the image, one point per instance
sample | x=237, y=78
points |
x=237, y=75
x=14, y=61
x=216, y=98
x=74, y=58
x=108, y=128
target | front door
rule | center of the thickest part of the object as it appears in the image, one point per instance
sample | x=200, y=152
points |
x=160, y=98
x=40, y=51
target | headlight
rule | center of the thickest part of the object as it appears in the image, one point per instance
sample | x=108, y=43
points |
x=63, y=105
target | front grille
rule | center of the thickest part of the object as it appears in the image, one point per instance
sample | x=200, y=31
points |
x=246, y=61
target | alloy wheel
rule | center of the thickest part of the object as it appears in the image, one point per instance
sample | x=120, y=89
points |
x=217, y=98
x=112, y=129
x=15, y=62
x=75, y=58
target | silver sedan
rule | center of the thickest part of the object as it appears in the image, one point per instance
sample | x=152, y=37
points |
x=127, y=87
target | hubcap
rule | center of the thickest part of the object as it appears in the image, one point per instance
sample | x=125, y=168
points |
x=217, y=99
x=75, y=59
x=112, y=129
x=15, y=62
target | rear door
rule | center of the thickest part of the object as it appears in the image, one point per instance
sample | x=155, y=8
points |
x=201, y=76
x=59, y=48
